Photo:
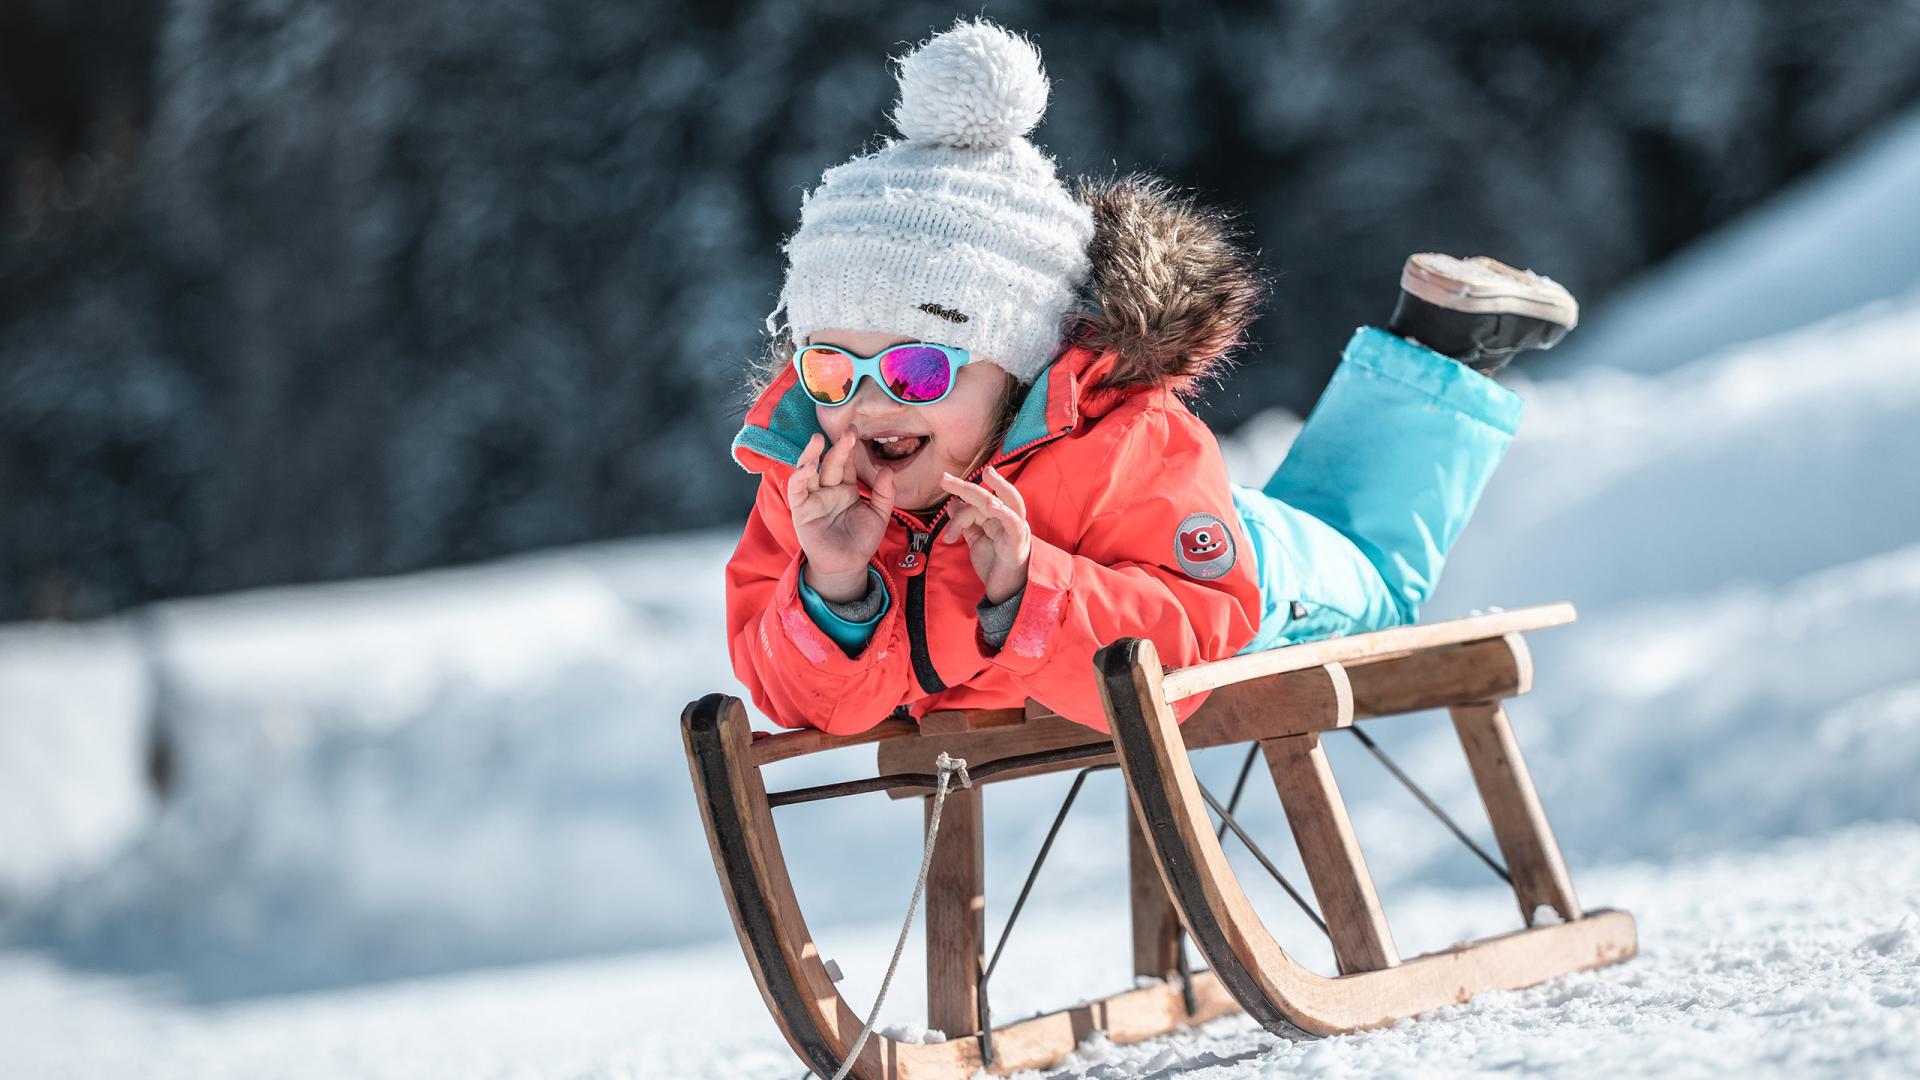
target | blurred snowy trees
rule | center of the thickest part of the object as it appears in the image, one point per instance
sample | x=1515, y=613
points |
x=304, y=291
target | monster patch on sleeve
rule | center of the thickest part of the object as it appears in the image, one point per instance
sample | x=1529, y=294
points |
x=1204, y=547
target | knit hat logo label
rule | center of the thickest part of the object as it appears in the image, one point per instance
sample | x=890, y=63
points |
x=946, y=313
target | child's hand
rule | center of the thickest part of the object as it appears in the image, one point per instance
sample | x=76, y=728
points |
x=837, y=529
x=994, y=525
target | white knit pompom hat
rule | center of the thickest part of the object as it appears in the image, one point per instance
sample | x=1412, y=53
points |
x=959, y=234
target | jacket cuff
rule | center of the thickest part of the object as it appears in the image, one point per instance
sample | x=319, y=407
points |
x=1443, y=379
x=1043, y=608
x=850, y=625
x=996, y=620
x=798, y=626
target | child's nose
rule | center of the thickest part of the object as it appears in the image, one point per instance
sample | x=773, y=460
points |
x=869, y=399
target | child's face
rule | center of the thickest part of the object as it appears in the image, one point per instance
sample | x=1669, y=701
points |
x=946, y=436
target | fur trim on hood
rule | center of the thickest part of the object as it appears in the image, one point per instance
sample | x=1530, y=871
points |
x=1172, y=289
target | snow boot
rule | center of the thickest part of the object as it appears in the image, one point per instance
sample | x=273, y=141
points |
x=1480, y=311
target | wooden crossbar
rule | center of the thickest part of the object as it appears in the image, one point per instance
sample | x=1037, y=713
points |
x=1361, y=648
x=1262, y=706
x=1390, y=672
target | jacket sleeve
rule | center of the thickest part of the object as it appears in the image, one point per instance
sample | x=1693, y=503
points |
x=1125, y=575
x=797, y=675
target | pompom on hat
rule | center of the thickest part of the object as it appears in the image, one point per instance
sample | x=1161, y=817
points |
x=960, y=233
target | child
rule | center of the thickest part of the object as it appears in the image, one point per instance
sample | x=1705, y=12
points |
x=976, y=468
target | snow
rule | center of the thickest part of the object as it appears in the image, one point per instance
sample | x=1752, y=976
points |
x=440, y=825
x=1801, y=958
x=72, y=786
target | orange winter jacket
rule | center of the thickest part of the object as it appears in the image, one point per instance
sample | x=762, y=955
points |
x=1134, y=535
x=1134, y=529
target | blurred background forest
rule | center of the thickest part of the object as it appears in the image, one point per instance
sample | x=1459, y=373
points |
x=301, y=292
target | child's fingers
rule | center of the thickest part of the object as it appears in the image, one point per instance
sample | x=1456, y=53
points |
x=805, y=474
x=972, y=494
x=1006, y=520
x=1004, y=488
x=957, y=524
x=883, y=493
x=833, y=467
x=810, y=456
x=994, y=512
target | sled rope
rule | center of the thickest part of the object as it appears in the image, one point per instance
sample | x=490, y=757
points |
x=947, y=767
x=1430, y=804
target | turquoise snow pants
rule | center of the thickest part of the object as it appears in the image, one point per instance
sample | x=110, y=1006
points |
x=1351, y=532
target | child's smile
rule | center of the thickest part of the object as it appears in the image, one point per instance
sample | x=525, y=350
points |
x=917, y=443
x=894, y=448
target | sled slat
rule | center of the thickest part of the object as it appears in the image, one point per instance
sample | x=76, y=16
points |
x=916, y=755
x=1286, y=704
x=956, y=913
x=1361, y=648
x=1156, y=925
x=1513, y=806
x=1391, y=672
x=1324, y=835
x=955, y=721
x=769, y=747
x=1128, y=1017
x=1272, y=706
x=1438, y=678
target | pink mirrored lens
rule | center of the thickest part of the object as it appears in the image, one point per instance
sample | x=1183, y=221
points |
x=916, y=373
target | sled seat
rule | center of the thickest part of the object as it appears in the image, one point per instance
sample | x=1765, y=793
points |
x=1281, y=700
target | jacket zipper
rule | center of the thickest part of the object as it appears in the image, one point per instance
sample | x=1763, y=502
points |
x=919, y=549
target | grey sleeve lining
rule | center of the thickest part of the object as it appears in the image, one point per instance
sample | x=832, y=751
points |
x=865, y=608
x=996, y=620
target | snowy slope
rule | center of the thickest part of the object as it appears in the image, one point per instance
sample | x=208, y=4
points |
x=1799, y=960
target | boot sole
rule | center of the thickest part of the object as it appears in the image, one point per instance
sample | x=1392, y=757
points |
x=1486, y=286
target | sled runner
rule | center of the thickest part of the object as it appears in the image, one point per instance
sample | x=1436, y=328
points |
x=1281, y=701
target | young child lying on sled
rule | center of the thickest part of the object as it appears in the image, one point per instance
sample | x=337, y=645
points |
x=976, y=467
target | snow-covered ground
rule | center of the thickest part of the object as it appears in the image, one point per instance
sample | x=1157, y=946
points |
x=440, y=826
x=1799, y=959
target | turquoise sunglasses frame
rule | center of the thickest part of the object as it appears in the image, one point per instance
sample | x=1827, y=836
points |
x=868, y=367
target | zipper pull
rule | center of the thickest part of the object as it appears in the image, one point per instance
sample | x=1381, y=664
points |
x=915, y=559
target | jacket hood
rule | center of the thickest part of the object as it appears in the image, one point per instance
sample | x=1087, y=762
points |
x=1172, y=289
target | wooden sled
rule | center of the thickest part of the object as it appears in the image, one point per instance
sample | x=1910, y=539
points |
x=1178, y=872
